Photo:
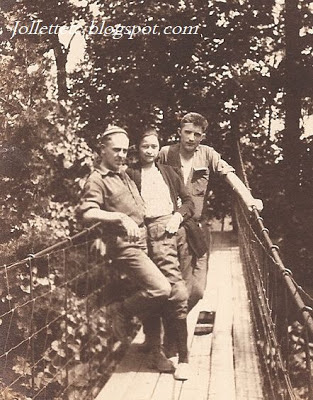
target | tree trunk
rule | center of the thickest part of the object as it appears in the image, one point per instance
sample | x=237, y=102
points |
x=291, y=139
x=291, y=143
x=61, y=53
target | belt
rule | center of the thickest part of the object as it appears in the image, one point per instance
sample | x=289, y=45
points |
x=152, y=219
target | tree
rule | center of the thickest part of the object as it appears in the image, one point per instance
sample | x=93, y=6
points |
x=295, y=70
x=54, y=13
x=153, y=79
x=38, y=144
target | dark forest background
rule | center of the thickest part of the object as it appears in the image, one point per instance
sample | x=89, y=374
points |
x=249, y=71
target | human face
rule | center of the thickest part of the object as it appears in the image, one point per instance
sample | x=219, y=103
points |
x=148, y=150
x=113, y=153
x=190, y=137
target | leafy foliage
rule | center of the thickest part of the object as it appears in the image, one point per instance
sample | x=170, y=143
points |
x=53, y=312
x=235, y=71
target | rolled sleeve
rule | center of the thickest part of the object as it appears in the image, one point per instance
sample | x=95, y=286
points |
x=218, y=165
x=92, y=196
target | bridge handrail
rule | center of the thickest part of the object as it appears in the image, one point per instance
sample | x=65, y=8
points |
x=57, y=246
x=56, y=339
x=285, y=350
x=292, y=285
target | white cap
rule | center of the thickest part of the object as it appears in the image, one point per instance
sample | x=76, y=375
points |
x=112, y=129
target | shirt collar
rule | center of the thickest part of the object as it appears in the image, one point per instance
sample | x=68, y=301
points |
x=103, y=171
x=196, y=150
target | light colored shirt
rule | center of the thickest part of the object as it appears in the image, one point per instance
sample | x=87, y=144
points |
x=205, y=160
x=112, y=191
x=186, y=168
x=155, y=193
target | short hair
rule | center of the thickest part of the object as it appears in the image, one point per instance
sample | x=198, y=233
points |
x=196, y=119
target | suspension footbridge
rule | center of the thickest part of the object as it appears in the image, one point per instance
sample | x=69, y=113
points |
x=54, y=341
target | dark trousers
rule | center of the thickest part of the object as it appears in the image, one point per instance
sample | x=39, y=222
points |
x=162, y=248
x=194, y=270
x=153, y=287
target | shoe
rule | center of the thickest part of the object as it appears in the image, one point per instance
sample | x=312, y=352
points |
x=157, y=360
x=118, y=322
x=182, y=372
x=174, y=360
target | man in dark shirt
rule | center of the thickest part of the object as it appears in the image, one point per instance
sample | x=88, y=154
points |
x=111, y=197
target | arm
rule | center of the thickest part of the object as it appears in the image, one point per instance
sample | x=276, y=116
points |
x=92, y=202
x=162, y=157
x=186, y=209
x=123, y=220
x=98, y=215
x=239, y=187
x=221, y=167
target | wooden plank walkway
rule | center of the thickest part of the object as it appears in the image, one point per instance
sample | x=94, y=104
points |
x=224, y=363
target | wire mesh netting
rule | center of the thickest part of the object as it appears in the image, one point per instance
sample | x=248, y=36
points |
x=54, y=338
x=281, y=310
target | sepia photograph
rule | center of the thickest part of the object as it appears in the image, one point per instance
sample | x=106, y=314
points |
x=156, y=226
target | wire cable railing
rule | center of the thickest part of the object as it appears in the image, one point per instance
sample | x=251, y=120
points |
x=281, y=310
x=55, y=343
x=54, y=338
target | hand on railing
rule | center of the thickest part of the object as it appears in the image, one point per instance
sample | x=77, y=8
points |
x=255, y=204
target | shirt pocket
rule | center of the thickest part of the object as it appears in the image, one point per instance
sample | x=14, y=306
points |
x=200, y=181
x=121, y=201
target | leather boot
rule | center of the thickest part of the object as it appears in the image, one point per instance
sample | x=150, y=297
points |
x=170, y=338
x=118, y=321
x=152, y=331
x=183, y=370
x=158, y=360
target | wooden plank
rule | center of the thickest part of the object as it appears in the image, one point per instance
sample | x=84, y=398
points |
x=125, y=373
x=196, y=387
x=200, y=346
x=143, y=385
x=167, y=388
x=219, y=371
x=222, y=367
x=247, y=371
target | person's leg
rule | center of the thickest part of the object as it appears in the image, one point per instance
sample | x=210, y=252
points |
x=182, y=371
x=186, y=258
x=152, y=321
x=199, y=273
x=198, y=280
x=154, y=288
x=187, y=262
x=163, y=250
x=152, y=330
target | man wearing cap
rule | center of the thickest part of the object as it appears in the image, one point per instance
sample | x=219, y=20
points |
x=111, y=197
